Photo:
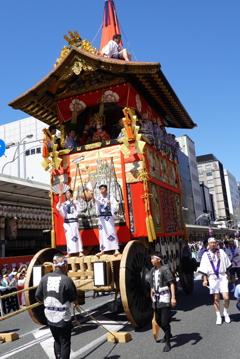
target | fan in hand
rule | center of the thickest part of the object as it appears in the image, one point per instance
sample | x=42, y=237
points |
x=61, y=187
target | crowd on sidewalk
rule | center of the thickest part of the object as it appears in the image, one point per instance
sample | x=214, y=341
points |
x=14, y=277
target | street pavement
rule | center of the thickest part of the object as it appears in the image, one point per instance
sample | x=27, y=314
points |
x=195, y=334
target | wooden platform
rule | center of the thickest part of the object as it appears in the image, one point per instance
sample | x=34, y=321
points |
x=81, y=270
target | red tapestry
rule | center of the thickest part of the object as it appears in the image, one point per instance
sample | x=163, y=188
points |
x=169, y=212
x=123, y=95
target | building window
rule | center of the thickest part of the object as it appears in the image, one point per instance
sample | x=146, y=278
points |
x=210, y=181
x=199, y=168
x=27, y=153
x=211, y=188
x=200, y=175
x=38, y=150
x=208, y=166
x=209, y=173
x=33, y=151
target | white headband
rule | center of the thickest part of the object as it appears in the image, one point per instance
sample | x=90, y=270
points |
x=61, y=264
x=156, y=257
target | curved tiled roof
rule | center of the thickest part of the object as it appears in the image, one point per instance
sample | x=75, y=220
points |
x=70, y=78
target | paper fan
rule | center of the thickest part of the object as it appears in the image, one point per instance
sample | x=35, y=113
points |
x=61, y=187
x=90, y=185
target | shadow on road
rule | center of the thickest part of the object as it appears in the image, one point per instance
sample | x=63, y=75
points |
x=235, y=317
x=199, y=297
x=186, y=338
x=83, y=329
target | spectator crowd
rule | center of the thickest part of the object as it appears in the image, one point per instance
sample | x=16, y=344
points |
x=14, y=277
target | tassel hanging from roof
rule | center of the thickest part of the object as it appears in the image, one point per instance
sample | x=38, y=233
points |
x=130, y=133
x=146, y=197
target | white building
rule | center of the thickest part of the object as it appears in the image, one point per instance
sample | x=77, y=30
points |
x=233, y=196
x=188, y=148
x=23, y=156
x=186, y=189
x=210, y=172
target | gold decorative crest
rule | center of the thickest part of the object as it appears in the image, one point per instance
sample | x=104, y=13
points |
x=75, y=41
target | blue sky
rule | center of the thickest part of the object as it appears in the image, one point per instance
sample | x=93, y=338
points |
x=196, y=43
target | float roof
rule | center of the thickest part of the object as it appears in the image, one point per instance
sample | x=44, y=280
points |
x=81, y=72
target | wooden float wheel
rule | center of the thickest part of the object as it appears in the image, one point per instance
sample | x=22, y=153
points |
x=45, y=255
x=134, y=285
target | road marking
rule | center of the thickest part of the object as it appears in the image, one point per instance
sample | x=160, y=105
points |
x=23, y=347
x=47, y=343
x=41, y=333
x=47, y=346
x=110, y=325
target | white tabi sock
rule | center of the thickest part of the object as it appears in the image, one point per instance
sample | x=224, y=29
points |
x=225, y=311
x=226, y=316
x=219, y=318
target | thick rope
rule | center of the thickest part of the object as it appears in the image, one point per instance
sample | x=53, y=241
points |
x=74, y=313
x=85, y=283
x=79, y=308
x=17, y=292
x=20, y=311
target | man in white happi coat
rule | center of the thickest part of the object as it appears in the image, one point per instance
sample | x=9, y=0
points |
x=106, y=208
x=214, y=266
x=69, y=210
x=233, y=254
x=114, y=50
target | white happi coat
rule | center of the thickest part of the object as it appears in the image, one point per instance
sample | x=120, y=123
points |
x=111, y=48
x=206, y=267
x=73, y=238
x=107, y=233
x=234, y=256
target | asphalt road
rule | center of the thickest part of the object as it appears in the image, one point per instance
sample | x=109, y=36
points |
x=195, y=334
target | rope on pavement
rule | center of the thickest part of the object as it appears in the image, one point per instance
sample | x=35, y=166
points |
x=79, y=308
x=74, y=313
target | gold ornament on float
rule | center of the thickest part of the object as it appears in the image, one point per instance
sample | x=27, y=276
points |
x=75, y=41
x=130, y=132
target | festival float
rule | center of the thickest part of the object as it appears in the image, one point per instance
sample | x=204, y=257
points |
x=91, y=94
